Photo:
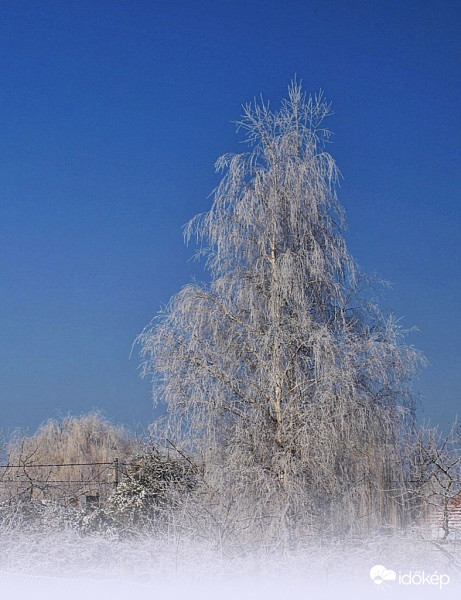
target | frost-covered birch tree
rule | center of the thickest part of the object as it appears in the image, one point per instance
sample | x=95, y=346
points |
x=281, y=374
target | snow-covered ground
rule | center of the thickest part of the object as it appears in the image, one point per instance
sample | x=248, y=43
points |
x=20, y=586
x=68, y=566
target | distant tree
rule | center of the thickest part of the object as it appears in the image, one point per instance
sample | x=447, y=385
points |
x=79, y=440
x=282, y=376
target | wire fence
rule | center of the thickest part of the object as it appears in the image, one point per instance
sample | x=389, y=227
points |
x=70, y=483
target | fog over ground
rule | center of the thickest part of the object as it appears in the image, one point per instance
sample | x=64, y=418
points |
x=95, y=567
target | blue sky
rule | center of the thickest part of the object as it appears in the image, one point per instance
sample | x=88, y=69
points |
x=112, y=115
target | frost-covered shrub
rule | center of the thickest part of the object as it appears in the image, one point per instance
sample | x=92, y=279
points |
x=99, y=521
x=129, y=501
x=154, y=486
x=37, y=515
x=40, y=518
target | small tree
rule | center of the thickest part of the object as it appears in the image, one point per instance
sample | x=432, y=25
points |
x=282, y=375
x=435, y=464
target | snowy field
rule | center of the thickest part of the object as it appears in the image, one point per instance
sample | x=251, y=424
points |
x=65, y=565
x=73, y=588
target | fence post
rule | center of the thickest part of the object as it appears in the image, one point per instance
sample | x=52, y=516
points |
x=116, y=474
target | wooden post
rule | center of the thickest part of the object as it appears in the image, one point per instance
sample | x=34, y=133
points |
x=116, y=473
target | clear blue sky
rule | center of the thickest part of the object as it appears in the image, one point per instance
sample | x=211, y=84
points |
x=112, y=114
